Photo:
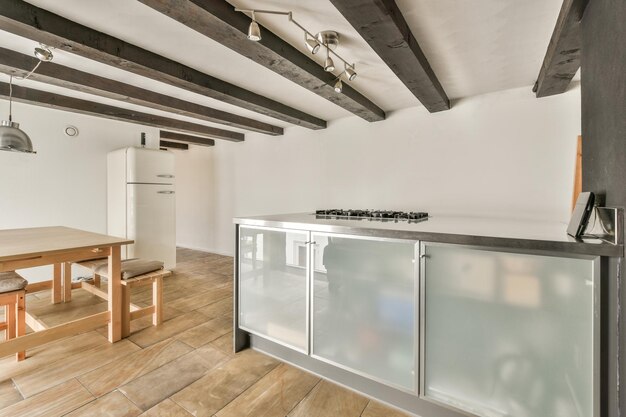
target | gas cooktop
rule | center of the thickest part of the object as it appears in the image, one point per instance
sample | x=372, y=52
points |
x=413, y=216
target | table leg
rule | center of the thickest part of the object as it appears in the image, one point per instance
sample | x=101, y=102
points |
x=115, y=294
x=125, y=311
x=67, y=282
x=56, y=284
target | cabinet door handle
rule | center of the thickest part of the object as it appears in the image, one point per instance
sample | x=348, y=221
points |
x=165, y=176
x=310, y=243
x=166, y=192
x=424, y=256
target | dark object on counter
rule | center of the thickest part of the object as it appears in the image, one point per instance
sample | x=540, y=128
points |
x=373, y=214
x=580, y=216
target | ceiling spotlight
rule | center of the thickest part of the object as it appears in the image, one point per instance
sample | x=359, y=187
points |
x=312, y=45
x=329, y=65
x=43, y=53
x=254, y=31
x=350, y=73
x=338, y=86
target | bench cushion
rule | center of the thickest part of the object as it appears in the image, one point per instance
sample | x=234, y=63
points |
x=130, y=267
x=11, y=281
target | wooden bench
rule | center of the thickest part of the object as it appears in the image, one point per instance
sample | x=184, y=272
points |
x=13, y=298
x=130, y=311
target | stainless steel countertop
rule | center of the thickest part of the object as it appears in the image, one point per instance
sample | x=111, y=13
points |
x=526, y=235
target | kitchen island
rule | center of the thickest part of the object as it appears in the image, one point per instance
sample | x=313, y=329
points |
x=446, y=316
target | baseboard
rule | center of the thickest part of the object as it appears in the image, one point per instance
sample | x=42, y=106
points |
x=201, y=249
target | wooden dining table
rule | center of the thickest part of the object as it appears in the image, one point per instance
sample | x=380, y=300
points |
x=60, y=246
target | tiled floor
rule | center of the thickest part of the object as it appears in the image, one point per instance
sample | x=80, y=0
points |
x=185, y=367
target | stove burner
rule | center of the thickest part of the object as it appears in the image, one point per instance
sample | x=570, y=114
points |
x=373, y=214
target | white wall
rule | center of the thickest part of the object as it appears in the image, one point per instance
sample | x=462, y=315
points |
x=195, y=198
x=65, y=182
x=504, y=154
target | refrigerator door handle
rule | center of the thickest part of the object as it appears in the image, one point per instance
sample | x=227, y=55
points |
x=165, y=176
x=166, y=192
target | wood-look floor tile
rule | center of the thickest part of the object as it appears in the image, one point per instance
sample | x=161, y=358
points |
x=225, y=344
x=222, y=307
x=376, y=409
x=201, y=299
x=50, y=353
x=155, y=386
x=9, y=393
x=169, y=328
x=166, y=408
x=274, y=395
x=38, y=380
x=114, y=404
x=80, y=298
x=145, y=322
x=101, y=381
x=168, y=296
x=56, y=401
x=330, y=400
x=60, y=317
x=221, y=385
x=206, y=332
x=211, y=357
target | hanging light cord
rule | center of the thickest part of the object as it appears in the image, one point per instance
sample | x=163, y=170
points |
x=24, y=78
x=10, y=98
x=30, y=73
x=11, y=86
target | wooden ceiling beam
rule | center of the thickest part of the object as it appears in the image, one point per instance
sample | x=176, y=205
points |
x=179, y=137
x=219, y=21
x=18, y=64
x=76, y=105
x=26, y=20
x=173, y=145
x=383, y=27
x=562, y=59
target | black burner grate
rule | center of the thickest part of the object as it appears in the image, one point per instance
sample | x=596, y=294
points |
x=372, y=214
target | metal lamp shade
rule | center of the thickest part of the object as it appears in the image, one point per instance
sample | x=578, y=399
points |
x=350, y=73
x=338, y=86
x=329, y=65
x=312, y=45
x=254, y=31
x=13, y=139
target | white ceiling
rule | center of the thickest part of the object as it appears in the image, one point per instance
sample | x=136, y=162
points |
x=474, y=47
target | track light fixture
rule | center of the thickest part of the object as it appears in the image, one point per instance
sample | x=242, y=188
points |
x=328, y=39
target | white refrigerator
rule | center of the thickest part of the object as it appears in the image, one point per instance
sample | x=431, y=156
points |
x=141, y=203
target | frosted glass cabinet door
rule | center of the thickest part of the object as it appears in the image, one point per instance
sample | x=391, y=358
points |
x=509, y=334
x=364, y=306
x=273, y=284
